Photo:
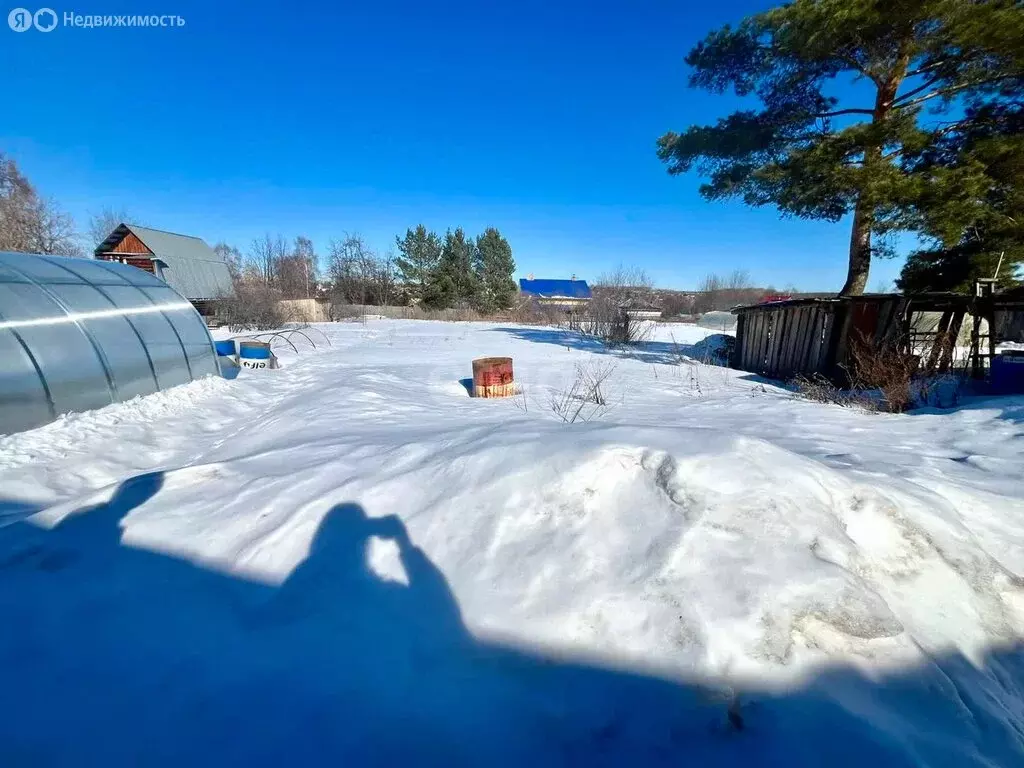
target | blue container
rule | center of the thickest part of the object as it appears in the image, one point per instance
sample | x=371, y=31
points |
x=1008, y=373
x=254, y=351
x=225, y=348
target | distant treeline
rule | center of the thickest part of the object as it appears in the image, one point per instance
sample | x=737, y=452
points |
x=438, y=272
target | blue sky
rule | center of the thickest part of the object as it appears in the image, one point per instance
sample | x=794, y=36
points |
x=539, y=118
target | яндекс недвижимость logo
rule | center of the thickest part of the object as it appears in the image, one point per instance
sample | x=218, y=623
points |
x=46, y=20
x=22, y=20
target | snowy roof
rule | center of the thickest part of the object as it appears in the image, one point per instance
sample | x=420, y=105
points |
x=192, y=268
x=550, y=289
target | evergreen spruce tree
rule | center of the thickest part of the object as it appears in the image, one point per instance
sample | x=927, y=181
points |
x=440, y=291
x=453, y=280
x=420, y=253
x=494, y=269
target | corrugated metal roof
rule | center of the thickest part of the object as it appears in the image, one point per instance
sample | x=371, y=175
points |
x=190, y=266
x=548, y=289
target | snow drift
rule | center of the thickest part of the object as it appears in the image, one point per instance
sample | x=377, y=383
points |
x=349, y=560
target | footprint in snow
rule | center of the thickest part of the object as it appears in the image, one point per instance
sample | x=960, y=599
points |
x=666, y=478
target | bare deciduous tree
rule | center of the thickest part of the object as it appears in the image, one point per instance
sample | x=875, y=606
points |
x=383, y=278
x=30, y=223
x=676, y=303
x=626, y=285
x=234, y=259
x=358, y=274
x=724, y=293
x=295, y=272
x=265, y=254
x=106, y=221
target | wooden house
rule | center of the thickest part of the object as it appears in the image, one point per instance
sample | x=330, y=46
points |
x=186, y=263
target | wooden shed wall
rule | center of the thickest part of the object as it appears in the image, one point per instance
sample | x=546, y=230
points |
x=139, y=262
x=785, y=340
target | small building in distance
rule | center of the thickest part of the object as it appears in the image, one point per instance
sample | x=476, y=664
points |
x=186, y=263
x=568, y=295
x=641, y=310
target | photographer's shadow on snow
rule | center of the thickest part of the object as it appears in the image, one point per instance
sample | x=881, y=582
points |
x=114, y=654
x=336, y=586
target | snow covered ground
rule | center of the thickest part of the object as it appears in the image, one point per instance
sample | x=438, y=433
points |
x=349, y=561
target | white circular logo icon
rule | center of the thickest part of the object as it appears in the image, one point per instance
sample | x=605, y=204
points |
x=45, y=20
x=20, y=20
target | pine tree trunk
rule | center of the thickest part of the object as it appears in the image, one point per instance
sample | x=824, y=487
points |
x=860, y=252
x=864, y=212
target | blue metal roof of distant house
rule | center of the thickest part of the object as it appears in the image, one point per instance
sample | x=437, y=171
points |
x=549, y=289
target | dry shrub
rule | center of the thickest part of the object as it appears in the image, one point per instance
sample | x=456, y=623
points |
x=585, y=398
x=887, y=368
x=610, y=323
x=823, y=390
x=533, y=313
x=886, y=377
x=254, y=307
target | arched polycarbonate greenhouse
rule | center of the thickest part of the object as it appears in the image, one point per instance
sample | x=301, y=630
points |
x=77, y=334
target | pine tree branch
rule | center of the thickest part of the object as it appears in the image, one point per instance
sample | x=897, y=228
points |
x=926, y=68
x=947, y=128
x=914, y=91
x=900, y=104
x=851, y=111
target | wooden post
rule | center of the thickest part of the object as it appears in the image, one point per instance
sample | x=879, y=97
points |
x=983, y=307
x=736, y=359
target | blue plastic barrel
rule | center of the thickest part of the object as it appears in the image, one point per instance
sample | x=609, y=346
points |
x=1008, y=373
x=251, y=351
x=225, y=348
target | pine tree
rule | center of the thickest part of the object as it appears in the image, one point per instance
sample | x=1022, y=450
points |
x=420, y=252
x=494, y=269
x=979, y=232
x=814, y=157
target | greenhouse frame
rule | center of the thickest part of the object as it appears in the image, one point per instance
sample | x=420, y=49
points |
x=77, y=334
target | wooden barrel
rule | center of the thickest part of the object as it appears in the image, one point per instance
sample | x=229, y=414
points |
x=492, y=377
